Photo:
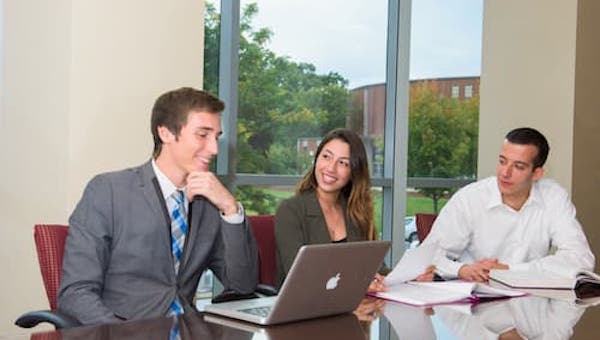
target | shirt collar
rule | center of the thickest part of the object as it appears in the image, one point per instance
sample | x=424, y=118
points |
x=166, y=186
x=496, y=196
x=535, y=198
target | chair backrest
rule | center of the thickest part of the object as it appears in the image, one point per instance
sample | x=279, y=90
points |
x=263, y=228
x=424, y=223
x=50, y=244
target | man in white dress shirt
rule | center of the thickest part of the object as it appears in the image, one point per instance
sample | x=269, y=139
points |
x=515, y=220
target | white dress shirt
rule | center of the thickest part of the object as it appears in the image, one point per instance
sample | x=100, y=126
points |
x=167, y=187
x=543, y=235
x=532, y=317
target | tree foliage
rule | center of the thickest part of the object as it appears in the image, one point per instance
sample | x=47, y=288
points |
x=280, y=100
x=442, y=138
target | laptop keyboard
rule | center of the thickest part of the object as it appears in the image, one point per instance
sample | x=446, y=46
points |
x=259, y=311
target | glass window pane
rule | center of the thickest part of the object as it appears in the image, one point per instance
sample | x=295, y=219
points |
x=204, y=291
x=212, y=25
x=302, y=67
x=278, y=193
x=444, y=99
x=262, y=200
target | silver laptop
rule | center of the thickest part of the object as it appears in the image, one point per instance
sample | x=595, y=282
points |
x=325, y=279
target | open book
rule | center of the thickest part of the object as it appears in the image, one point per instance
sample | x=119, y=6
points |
x=584, y=283
x=567, y=295
x=433, y=293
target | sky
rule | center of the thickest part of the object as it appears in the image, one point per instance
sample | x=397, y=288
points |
x=349, y=36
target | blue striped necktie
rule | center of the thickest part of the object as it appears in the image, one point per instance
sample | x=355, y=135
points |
x=176, y=204
x=175, y=332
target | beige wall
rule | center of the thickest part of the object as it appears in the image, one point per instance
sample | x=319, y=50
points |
x=527, y=78
x=78, y=81
x=540, y=68
x=586, y=137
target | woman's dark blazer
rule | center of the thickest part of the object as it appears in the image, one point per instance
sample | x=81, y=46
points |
x=299, y=220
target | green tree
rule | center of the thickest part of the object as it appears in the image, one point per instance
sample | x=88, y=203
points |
x=211, y=48
x=280, y=100
x=442, y=138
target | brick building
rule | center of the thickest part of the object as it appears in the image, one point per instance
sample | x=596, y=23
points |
x=368, y=102
x=367, y=112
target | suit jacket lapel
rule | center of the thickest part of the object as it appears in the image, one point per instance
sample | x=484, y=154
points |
x=154, y=195
x=315, y=217
x=195, y=213
x=318, y=224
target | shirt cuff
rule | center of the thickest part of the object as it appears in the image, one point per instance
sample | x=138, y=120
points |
x=236, y=218
x=447, y=268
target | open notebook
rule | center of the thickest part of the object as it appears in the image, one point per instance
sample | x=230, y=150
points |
x=433, y=293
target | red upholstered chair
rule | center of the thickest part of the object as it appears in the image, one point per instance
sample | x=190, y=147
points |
x=424, y=223
x=263, y=228
x=50, y=244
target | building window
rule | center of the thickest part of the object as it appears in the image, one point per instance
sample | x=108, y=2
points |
x=455, y=91
x=468, y=91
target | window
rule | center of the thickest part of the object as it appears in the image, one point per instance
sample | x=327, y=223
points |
x=300, y=86
x=295, y=82
x=455, y=91
x=289, y=83
x=293, y=88
x=468, y=91
x=443, y=126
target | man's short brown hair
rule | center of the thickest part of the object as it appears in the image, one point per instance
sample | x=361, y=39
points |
x=172, y=108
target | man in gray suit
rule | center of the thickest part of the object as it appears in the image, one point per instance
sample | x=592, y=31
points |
x=120, y=261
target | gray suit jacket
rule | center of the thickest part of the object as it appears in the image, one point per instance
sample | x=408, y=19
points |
x=118, y=263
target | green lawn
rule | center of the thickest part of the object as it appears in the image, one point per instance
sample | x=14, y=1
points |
x=421, y=204
x=280, y=194
x=416, y=203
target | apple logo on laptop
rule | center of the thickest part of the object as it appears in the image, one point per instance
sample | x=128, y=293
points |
x=332, y=282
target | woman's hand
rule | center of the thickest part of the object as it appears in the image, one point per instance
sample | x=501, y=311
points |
x=369, y=309
x=377, y=284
